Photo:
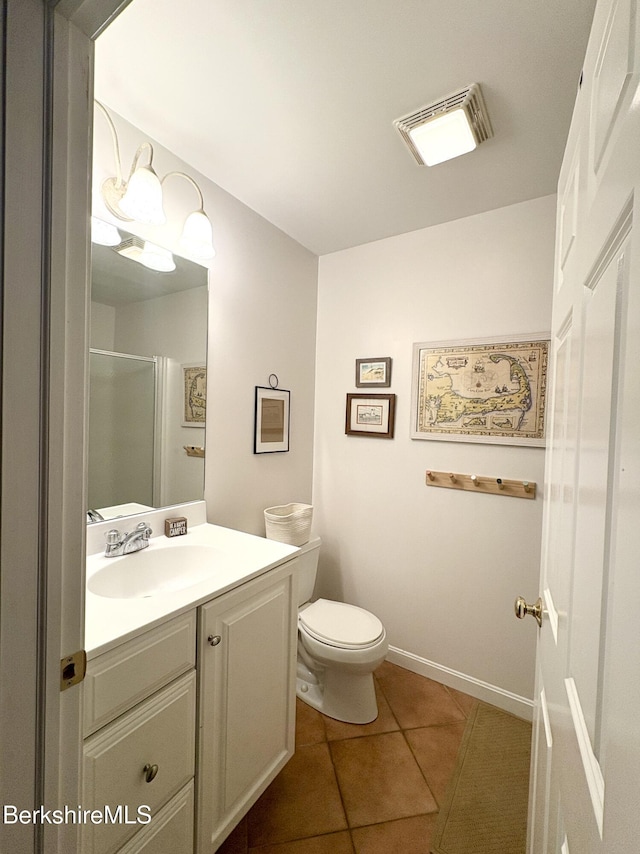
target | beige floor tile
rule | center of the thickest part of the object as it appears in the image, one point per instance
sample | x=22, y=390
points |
x=332, y=843
x=310, y=727
x=380, y=779
x=436, y=751
x=302, y=801
x=406, y=836
x=385, y=722
x=417, y=701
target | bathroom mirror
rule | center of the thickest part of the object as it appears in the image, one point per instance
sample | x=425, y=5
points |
x=147, y=387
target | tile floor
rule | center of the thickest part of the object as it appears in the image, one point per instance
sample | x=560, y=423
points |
x=372, y=789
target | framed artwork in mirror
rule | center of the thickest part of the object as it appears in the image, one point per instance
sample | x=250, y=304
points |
x=371, y=415
x=195, y=395
x=374, y=373
x=271, y=428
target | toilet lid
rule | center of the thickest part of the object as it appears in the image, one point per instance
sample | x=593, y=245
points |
x=339, y=624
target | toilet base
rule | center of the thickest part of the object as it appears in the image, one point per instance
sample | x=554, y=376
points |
x=345, y=696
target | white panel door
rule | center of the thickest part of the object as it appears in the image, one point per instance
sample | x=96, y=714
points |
x=586, y=760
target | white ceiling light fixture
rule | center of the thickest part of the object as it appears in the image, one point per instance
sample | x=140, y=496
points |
x=447, y=128
x=140, y=198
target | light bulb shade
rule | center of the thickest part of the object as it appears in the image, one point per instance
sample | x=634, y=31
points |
x=443, y=137
x=157, y=258
x=197, y=236
x=143, y=198
x=103, y=233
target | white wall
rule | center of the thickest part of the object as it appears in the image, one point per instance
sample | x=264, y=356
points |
x=262, y=314
x=441, y=568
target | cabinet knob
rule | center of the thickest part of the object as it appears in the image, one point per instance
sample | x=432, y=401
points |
x=214, y=640
x=150, y=772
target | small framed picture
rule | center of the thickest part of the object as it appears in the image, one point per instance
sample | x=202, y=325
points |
x=194, y=379
x=271, y=429
x=373, y=372
x=371, y=415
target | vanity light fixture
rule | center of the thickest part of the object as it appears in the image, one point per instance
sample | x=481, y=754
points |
x=139, y=198
x=104, y=233
x=447, y=128
x=197, y=233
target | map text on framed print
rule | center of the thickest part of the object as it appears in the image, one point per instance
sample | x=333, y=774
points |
x=484, y=390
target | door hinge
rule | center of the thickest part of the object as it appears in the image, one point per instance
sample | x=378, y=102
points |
x=72, y=669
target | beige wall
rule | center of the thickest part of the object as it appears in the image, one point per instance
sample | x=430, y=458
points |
x=440, y=568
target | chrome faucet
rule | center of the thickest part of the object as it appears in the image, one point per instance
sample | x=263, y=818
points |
x=124, y=544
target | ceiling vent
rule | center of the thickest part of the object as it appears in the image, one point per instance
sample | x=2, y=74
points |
x=447, y=128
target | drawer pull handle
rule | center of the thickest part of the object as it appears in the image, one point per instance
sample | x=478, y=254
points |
x=150, y=772
x=214, y=640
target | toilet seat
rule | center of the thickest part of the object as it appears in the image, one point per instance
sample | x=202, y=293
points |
x=341, y=625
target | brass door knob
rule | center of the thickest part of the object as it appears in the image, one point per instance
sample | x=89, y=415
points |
x=522, y=609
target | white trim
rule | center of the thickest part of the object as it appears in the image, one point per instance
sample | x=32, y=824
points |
x=545, y=719
x=506, y=700
x=552, y=613
x=592, y=770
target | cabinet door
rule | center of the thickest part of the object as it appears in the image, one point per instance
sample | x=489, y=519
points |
x=247, y=658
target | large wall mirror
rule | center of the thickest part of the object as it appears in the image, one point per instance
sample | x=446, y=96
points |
x=147, y=400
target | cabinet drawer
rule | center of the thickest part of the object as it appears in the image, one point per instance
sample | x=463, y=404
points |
x=170, y=832
x=124, y=676
x=160, y=731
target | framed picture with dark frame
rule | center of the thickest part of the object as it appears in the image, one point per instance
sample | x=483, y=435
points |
x=373, y=373
x=271, y=428
x=371, y=415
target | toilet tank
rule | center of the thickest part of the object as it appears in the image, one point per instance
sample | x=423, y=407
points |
x=307, y=569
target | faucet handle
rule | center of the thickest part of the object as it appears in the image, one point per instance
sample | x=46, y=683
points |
x=112, y=537
x=145, y=528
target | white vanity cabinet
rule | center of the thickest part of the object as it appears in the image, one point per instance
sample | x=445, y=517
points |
x=187, y=723
x=139, y=753
x=246, y=706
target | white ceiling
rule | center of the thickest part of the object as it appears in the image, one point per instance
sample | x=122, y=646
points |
x=288, y=104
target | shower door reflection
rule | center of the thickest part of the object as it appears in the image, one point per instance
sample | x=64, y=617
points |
x=122, y=417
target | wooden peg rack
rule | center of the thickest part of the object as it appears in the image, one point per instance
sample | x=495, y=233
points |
x=481, y=483
x=194, y=451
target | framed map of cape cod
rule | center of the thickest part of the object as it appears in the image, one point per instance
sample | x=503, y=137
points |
x=484, y=390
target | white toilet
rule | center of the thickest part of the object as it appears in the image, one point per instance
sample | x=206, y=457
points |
x=339, y=647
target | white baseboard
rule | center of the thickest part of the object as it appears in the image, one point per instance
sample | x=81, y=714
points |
x=513, y=703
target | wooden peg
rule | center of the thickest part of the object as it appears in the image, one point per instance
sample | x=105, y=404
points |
x=500, y=483
x=526, y=486
x=453, y=477
x=474, y=480
x=430, y=475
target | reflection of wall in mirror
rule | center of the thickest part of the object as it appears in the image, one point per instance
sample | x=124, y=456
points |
x=174, y=326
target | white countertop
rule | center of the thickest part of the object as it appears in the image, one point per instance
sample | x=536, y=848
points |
x=110, y=621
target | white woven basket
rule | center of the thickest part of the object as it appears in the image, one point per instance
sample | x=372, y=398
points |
x=289, y=523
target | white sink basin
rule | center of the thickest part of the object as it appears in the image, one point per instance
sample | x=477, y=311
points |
x=155, y=572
